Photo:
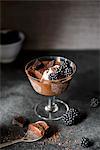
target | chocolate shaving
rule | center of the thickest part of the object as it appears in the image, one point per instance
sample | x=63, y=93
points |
x=50, y=64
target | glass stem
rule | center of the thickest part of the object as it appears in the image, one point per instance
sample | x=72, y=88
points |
x=53, y=99
x=50, y=103
x=51, y=107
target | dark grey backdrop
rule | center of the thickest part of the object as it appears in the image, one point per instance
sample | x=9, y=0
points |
x=55, y=24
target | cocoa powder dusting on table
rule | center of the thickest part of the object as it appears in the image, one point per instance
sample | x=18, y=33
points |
x=10, y=133
x=55, y=138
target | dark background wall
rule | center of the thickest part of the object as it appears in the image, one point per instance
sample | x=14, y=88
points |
x=55, y=25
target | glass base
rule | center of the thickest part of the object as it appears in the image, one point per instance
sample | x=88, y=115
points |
x=45, y=112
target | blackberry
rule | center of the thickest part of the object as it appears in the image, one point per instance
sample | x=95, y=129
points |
x=94, y=102
x=66, y=63
x=68, y=71
x=85, y=142
x=59, y=71
x=71, y=117
x=65, y=69
x=53, y=76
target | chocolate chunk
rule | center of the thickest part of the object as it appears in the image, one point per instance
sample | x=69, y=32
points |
x=38, y=65
x=31, y=71
x=38, y=75
x=50, y=64
x=20, y=121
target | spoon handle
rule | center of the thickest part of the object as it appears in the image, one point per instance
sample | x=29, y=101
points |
x=10, y=143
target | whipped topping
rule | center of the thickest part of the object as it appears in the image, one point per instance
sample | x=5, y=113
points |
x=47, y=72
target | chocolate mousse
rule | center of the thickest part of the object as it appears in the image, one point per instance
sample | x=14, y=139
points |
x=50, y=76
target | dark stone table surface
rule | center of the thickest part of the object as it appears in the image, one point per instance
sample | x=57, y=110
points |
x=18, y=97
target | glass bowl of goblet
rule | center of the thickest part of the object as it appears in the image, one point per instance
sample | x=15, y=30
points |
x=53, y=108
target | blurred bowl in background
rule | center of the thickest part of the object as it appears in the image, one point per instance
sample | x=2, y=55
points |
x=10, y=45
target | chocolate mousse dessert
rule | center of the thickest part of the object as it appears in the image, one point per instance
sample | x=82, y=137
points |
x=50, y=76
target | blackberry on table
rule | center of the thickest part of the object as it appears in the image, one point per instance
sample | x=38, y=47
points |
x=85, y=142
x=71, y=117
x=94, y=102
